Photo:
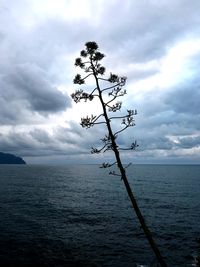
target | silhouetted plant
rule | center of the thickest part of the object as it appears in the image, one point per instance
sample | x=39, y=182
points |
x=89, y=62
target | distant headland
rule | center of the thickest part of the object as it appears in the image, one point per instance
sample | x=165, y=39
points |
x=6, y=158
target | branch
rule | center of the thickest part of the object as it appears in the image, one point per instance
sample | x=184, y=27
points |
x=107, y=165
x=101, y=122
x=128, y=121
x=93, y=91
x=107, y=145
x=114, y=97
x=95, y=119
x=86, y=76
x=115, y=107
x=80, y=94
x=128, y=165
x=106, y=139
x=88, y=122
x=97, y=151
x=103, y=79
x=110, y=87
x=132, y=147
x=117, y=90
x=110, y=101
x=119, y=117
x=78, y=79
x=116, y=133
x=86, y=62
x=114, y=173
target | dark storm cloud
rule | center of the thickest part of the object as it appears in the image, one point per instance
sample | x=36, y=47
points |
x=26, y=88
x=28, y=69
x=33, y=85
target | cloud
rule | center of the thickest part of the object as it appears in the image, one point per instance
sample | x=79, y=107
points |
x=185, y=100
x=37, y=49
x=64, y=141
x=188, y=141
x=32, y=84
x=27, y=89
x=149, y=28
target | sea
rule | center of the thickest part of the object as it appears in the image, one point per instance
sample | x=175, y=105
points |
x=79, y=215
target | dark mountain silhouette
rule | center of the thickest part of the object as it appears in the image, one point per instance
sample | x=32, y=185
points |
x=6, y=158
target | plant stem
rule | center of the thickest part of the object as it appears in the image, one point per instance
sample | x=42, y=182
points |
x=125, y=179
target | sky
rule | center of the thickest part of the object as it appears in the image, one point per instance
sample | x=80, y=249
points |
x=154, y=43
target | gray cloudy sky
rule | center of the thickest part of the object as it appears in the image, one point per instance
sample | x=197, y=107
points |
x=155, y=43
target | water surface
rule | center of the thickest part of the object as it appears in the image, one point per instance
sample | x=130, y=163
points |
x=78, y=215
